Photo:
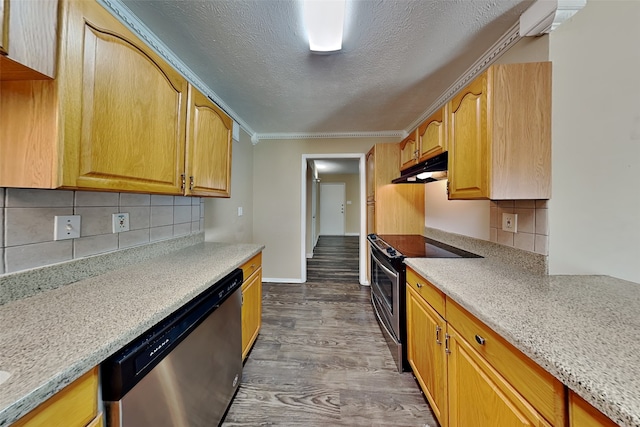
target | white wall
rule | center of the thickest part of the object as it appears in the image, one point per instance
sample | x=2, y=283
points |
x=594, y=215
x=221, y=220
x=466, y=217
x=276, y=196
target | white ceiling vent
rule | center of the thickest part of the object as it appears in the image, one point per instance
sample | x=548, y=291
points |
x=545, y=16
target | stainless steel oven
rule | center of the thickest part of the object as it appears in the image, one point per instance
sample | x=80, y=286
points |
x=388, y=282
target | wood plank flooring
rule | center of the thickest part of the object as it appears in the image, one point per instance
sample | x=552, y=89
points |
x=320, y=358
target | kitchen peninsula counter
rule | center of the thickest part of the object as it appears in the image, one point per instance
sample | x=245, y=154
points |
x=49, y=339
x=584, y=330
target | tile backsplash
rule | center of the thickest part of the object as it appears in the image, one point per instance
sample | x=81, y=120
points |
x=533, y=229
x=27, y=216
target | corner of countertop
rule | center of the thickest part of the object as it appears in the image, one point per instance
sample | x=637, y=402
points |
x=529, y=261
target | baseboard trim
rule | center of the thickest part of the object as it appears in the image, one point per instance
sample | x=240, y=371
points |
x=277, y=280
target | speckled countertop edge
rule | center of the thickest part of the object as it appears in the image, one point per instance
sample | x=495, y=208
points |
x=51, y=338
x=584, y=330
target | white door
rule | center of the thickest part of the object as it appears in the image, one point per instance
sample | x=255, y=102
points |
x=332, y=199
x=314, y=213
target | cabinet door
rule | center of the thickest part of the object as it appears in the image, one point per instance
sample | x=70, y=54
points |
x=371, y=218
x=468, y=143
x=479, y=396
x=432, y=137
x=208, y=153
x=582, y=414
x=425, y=351
x=251, y=311
x=409, y=151
x=125, y=116
x=371, y=171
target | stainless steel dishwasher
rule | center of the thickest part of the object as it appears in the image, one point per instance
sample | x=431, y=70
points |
x=184, y=371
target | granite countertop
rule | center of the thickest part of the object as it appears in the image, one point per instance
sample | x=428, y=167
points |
x=50, y=339
x=584, y=330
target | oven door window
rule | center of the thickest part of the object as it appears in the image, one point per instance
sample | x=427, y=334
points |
x=384, y=282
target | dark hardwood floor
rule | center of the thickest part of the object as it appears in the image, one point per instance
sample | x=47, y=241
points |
x=320, y=358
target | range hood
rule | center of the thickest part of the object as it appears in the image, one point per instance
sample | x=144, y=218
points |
x=433, y=169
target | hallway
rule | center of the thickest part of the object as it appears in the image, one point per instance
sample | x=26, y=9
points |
x=321, y=359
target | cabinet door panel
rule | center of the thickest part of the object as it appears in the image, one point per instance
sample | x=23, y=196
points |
x=479, y=396
x=133, y=118
x=251, y=311
x=468, y=146
x=4, y=27
x=432, y=135
x=425, y=352
x=408, y=149
x=208, y=162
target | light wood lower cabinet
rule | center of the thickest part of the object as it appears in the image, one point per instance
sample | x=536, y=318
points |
x=74, y=406
x=582, y=414
x=471, y=375
x=251, y=303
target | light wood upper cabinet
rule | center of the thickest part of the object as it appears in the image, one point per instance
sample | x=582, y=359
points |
x=499, y=134
x=28, y=30
x=208, y=154
x=398, y=208
x=409, y=151
x=432, y=136
x=115, y=119
x=129, y=134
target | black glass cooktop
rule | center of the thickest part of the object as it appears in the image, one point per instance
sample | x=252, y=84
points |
x=417, y=246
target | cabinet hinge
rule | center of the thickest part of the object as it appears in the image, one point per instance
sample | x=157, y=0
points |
x=183, y=178
x=190, y=183
x=446, y=344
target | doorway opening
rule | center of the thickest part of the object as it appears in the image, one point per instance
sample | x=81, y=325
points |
x=310, y=211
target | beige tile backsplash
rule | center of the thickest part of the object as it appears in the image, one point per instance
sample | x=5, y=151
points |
x=533, y=229
x=26, y=219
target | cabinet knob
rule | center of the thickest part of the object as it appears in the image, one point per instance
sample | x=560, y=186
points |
x=419, y=285
x=479, y=340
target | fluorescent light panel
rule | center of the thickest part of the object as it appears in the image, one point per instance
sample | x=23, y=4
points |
x=324, y=20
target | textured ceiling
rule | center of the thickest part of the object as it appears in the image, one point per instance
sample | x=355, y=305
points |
x=398, y=57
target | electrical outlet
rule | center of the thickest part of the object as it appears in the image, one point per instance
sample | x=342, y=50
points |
x=510, y=222
x=120, y=222
x=66, y=227
x=240, y=213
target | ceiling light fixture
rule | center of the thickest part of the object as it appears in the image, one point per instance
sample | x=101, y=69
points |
x=324, y=21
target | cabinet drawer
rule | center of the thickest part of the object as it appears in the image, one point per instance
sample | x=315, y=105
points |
x=535, y=384
x=251, y=266
x=430, y=293
x=74, y=406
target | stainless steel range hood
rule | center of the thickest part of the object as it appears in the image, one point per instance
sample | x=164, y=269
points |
x=430, y=170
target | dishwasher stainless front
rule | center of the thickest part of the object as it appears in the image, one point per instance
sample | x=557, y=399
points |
x=184, y=371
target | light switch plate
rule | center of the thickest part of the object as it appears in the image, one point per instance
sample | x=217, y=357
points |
x=510, y=222
x=120, y=222
x=66, y=227
x=240, y=213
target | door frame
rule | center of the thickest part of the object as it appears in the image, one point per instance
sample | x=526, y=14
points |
x=363, y=211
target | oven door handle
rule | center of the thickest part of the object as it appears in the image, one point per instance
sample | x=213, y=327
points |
x=382, y=322
x=382, y=266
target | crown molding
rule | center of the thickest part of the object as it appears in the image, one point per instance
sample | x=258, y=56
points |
x=121, y=12
x=400, y=134
x=507, y=40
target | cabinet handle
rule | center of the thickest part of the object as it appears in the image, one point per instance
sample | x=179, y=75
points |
x=183, y=178
x=438, y=329
x=446, y=344
x=419, y=285
x=190, y=183
x=479, y=340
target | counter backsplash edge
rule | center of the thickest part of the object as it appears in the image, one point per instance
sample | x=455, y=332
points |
x=532, y=262
x=23, y=284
